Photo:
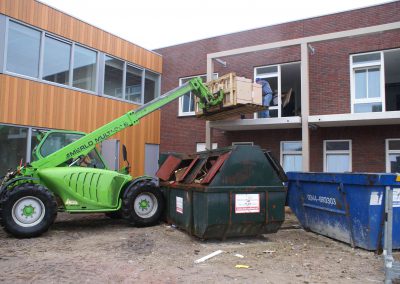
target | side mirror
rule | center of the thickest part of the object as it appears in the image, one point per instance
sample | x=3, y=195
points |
x=124, y=153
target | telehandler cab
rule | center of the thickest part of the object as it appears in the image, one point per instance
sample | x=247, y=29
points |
x=69, y=174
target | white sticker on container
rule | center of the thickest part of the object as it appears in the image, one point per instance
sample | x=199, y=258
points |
x=247, y=203
x=396, y=197
x=179, y=204
x=376, y=198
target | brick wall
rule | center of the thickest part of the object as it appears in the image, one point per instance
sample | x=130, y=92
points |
x=368, y=145
x=329, y=78
x=329, y=69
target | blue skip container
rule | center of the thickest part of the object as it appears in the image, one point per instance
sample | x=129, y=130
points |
x=349, y=207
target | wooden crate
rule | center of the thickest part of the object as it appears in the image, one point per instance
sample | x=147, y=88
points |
x=241, y=96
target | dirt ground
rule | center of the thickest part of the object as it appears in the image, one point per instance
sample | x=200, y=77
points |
x=95, y=249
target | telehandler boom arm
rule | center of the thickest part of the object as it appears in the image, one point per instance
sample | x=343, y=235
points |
x=87, y=143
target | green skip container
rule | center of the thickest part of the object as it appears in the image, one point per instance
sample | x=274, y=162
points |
x=228, y=192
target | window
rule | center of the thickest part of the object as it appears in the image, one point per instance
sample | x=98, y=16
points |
x=130, y=86
x=367, y=83
x=133, y=89
x=84, y=71
x=56, y=61
x=23, y=50
x=337, y=156
x=392, y=79
x=393, y=155
x=186, y=102
x=151, y=86
x=291, y=156
x=113, y=77
x=202, y=146
x=285, y=83
x=56, y=141
x=14, y=139
x=375, y=81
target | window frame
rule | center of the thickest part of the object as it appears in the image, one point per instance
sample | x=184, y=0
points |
x=143, y=80
x=7, y=27
x=297, y=153
x=349, y=152
x=365, y=66
x=388, y=152
x=124, y=68
x=278, y=75
x=41, y=61
x=157, y=84
x=205, y=149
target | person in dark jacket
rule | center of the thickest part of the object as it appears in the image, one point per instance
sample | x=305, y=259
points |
x=267, y=96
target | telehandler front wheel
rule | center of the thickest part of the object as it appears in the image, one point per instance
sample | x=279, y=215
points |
x=143, y=204
x=28, y=210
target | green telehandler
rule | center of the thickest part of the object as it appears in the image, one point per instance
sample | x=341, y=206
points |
x=69, y=174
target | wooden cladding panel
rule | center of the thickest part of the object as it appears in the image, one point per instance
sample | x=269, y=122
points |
x=25, y=102
x=54, y=21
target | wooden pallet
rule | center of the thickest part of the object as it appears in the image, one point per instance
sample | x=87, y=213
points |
x=221, y=113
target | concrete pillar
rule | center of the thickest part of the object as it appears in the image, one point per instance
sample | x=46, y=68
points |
x=208, y=136
x=210, y=71
x=305, y=107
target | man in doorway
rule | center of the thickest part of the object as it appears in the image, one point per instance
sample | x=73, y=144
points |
x=267, y=96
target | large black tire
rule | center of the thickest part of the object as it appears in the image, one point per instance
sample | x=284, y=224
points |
x=28, y=210
x=143, y=204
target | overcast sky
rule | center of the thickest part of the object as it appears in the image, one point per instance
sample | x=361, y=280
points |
x=159, y=23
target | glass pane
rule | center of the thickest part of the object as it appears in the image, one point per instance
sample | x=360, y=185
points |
x=374, y=82
x=337, y=146
x=23, y=50
x=292, y=163
x=151, y=87
x=394, y=160
x=361, y=84
x=56, y=61
x=186, y=102
x=13, y=142
x=56, y=141
x=394, y=144
x=291, y=146
x=113, y=77
x=266, y=70
x=92, y=160
x=133, y=91
x=337, y=163
x=84, y=73
x=371, y=107
x=34, y=142
x=392, y=79
x=366, y=57
x=192, y=98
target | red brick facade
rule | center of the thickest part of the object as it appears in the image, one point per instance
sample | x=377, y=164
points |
x=329, y=70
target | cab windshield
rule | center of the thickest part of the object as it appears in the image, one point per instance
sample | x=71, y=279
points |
x=57, y=140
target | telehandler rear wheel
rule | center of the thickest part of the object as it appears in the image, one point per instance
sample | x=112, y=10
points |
x=143, y=204
x=28, y=210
